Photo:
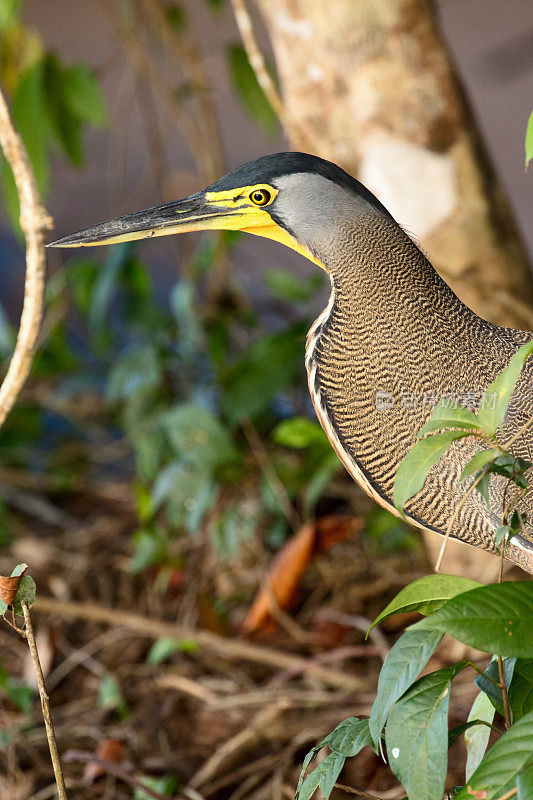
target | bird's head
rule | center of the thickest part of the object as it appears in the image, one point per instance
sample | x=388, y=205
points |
x=294, y=198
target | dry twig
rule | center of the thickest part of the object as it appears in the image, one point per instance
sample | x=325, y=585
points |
x=45, y=705
x=224, y=647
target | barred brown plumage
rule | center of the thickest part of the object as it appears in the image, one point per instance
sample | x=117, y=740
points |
x=393, y=340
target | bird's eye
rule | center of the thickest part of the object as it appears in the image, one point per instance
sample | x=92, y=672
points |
x=260, y=197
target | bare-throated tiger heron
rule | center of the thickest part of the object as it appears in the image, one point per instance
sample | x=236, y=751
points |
x=392, y=339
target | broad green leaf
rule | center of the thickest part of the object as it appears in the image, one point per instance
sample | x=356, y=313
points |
x=25, y=593
x=413, y=470
x=504, y=761
x=323, y=777
x=521, y=689
x=20, y=569
x=524, y=784
x=491, y=414
x=495, y=618
x=299, y=432
x=349, y=738
x=417, y=735
x=426, y=595
x=529, y=140
x=249, y=92
x=479, y=461
x=477, y=737
x=444, y=417
x=198, y=437
x=168, y=646
x=402, y=666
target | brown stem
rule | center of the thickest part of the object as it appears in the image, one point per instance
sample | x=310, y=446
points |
x=503, y=687
x=454, y=517
x=34, y=221
x=510, y=793
x=45, y=705
x=357, y=792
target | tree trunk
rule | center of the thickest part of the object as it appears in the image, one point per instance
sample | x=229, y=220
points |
x=373, y=89
x=370, y=85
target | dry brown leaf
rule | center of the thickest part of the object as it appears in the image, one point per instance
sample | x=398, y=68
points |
x=282, y=578
x=113, y=751
x=9, y=586
x=334, y=529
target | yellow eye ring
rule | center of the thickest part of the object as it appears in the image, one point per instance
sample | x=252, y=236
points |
x=260, y=197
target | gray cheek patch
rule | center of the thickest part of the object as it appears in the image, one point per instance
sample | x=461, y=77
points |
x=315, y=209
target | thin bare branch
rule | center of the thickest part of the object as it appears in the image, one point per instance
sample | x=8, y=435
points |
x=45, y=705
x=257, y=62
x=34, y=222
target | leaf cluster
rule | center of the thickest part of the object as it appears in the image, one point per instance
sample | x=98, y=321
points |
x=409, y=718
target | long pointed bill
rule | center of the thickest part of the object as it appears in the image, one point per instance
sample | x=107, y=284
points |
x=193, y=213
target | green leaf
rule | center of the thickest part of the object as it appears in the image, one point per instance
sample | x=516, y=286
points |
x=270, y=364
x=524, y=784
x=401, y=667
x=249, y=92
x=323, y=777
x=168, y=646
x=109, y=695
x=8, y=13
x=28, y=111
x=529, y=140
x=495, y=618
x=349, y=738
x=417, y=735
x=25, y=593
x=20, y=569
x=136, y=372
x=477, y=738
x=167, y=786
x=504, y=761
x=426, y=595
x=65, y=125
x=298, y=433
x=413, y=470
x=479, y=461
x=491, y=413
x=521, y=689
x=81, y=92
x=198, y=437
x=444, y=417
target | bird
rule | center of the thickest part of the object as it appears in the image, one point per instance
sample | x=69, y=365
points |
x=392, y=340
